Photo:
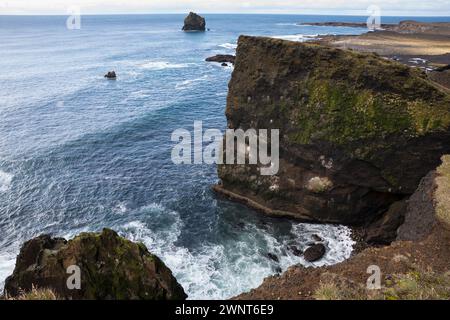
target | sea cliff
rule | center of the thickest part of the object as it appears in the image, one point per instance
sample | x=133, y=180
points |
x=357, y=132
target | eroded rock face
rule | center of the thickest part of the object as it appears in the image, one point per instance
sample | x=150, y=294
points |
x=429, y=206
x=194, y=22
x=111, y=268
x=357, y=132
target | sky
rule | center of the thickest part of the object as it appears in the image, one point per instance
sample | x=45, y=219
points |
x=355, y=7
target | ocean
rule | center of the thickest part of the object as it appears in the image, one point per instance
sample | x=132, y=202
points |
x=80, y=153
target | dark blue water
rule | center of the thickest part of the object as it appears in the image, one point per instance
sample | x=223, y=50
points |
x=79, y=153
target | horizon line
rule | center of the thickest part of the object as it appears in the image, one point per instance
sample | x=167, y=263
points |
x=225, y=13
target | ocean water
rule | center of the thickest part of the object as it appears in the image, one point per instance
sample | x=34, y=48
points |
x=79, y=153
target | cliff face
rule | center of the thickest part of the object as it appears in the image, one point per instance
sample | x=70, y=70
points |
x=110, y=267
x=416, y=266
x=357, y=132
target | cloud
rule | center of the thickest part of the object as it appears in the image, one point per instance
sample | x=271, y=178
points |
x=397, y=7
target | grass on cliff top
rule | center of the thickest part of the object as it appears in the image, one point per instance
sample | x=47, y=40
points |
x=414, y=285
x=36, y=294
x=343, y=96
x=443, y=191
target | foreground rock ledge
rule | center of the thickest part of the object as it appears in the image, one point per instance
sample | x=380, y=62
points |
x=111, y=268
x=357, y=132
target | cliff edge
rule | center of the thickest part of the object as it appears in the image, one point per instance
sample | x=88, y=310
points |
x=357, y=132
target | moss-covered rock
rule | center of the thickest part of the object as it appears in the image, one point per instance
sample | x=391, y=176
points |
x=370, y=127
x=111, y=267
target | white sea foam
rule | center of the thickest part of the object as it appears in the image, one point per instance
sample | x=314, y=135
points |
x=7, y=263
x=162, y=65
x=190, y=82
x=230, y=46
x=220, y=271
x=297, y=37
x=5, y=181
x=288, y=24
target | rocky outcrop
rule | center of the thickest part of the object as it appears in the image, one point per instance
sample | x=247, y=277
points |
x=357, y=132
x=194, y=22
x=111, y=75
x=110, y=267
x=222, y=58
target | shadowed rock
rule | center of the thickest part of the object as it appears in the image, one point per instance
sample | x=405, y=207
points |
x=222, y=58
x=111, y=75
x=111, y=267
x=314, y=253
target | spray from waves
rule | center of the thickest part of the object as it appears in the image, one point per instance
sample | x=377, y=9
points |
x=5, y=181
x=223, y=270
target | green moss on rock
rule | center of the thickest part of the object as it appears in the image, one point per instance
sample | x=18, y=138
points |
x=111, y=268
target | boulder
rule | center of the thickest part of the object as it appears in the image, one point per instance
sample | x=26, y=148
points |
x=111, y=75
x=357, y=132
x=194, y=22
x=314, y=253
x=222, y=58
x=110, y=266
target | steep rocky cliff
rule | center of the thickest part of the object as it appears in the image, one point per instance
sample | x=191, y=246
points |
x=357, y=132
x=110, y=267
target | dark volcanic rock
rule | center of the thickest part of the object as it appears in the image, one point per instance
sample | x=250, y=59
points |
x=221, y=58
x=111, y=268
x=316, y=238
x=357, y=132
x=384, y=230
x=194, y=22
x=273, y=257
x=315, y=252
x=224, y=65
x=296, y=251
x=420, y=216
x=111, y=75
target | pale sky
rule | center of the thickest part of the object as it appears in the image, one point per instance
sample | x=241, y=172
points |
x=356, y=7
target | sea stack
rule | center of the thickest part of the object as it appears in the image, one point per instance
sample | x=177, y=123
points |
x=194, y=22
